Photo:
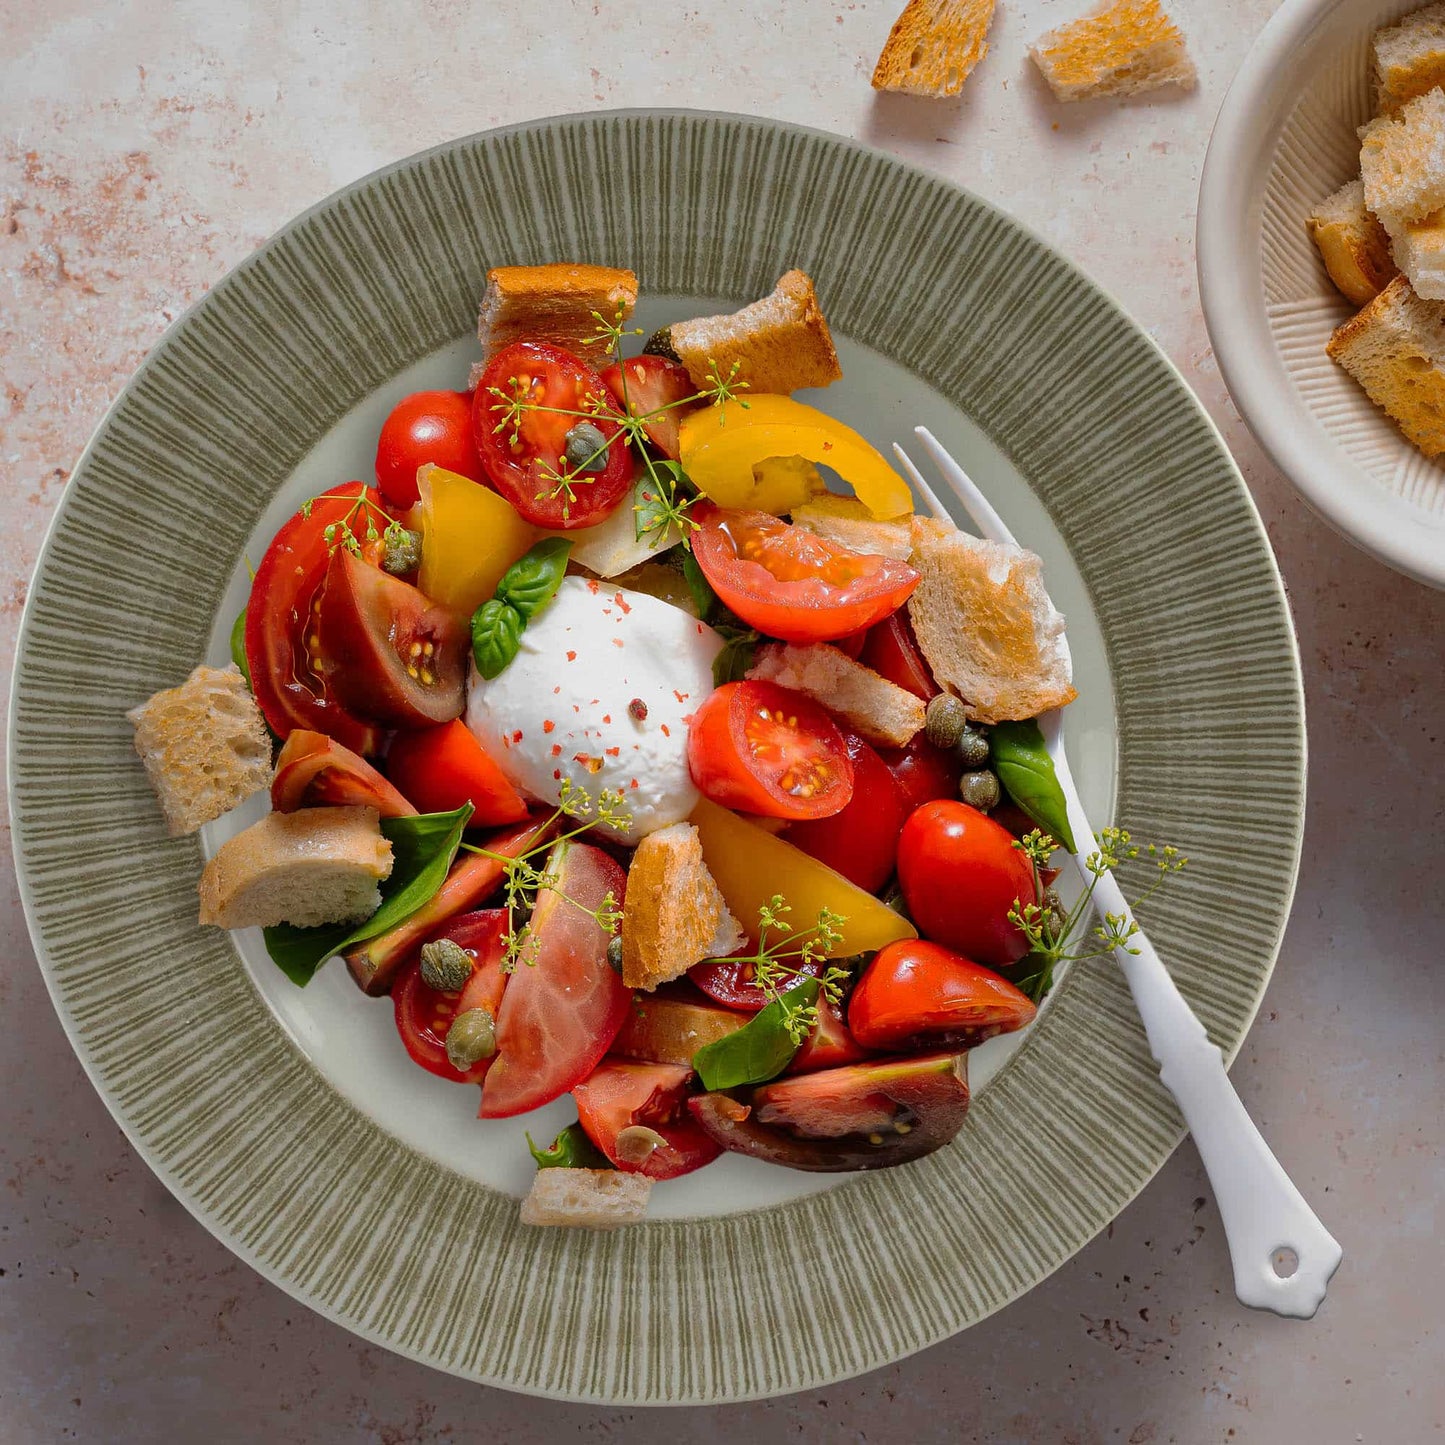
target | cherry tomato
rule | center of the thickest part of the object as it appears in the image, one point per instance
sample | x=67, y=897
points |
x=731, y=983
x=281, y=636
x=523, y=457
x=892, y=652
x=924, y=773
x=313, y=770
x=443, y=767
x=761, y=748
x=424, y=1014
x=860, y=841
x=652, y=382
x=387, y=651
x=916, y=995
x=961, y=874
x=427, y=426
x=619, y=1095
x=829, y=1046
x=564, y=1004
x=789, y=583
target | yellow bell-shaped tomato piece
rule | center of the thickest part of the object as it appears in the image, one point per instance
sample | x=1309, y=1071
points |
x=470, y=536
x=751, y=866
x=723, y=443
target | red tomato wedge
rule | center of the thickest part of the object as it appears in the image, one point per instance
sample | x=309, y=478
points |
x=890, y=649
x=861, y=840
x=788, y=583
x=923, y=772
x=313, y=770
x=829, y=1046
x=621, y=1095
x=645, y=384
x=523, y=456
x=761, y=748
x=443, y=767
x=427, y=426
x=916, y=996
x=387, y=651
x=282, y=645
x=424, y=1014
x=564, y=1004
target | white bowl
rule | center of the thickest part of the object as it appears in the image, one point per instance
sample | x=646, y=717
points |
x=1285, y=139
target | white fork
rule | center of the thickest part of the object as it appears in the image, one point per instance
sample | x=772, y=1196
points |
x=1266, y=1219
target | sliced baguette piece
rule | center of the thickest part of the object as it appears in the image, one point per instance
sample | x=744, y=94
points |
x=558, y=302
x=586, y=1198
x=315, y=866
x=849, y=523
x=1419, y=251
x=675, y=914
x=879, y=711
x=1125, y=49
x=986, y=625
x=204, y=745
x=779, y=344
x=1409, y=58
x=933, y=47
x=1354, y=246
x=1402, y=162
x=1395, y=349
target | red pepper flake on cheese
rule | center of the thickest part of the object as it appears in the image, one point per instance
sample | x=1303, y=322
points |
x=517, y=736
x=593, y=586
x=666, y=731
x=548, y=726
x=593, y=765
x=556, y=750
x=618, y=642
x=607, y=718
x=681, y=696
x=571, y=656
x=612, y=752
x=622, y=604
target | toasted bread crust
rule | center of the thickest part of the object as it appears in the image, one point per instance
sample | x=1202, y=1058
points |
x=933, y=47
x=557, y=303
x=879, y=711
x=586, y=1198
x=849, y=523
x=1129, y=47
x=1409, y=58
x=1354, y=246
x=1402, y=162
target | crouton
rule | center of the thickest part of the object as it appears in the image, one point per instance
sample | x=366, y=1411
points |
x=1402, y=162
x=1129, y=47
x=1354, y=246
x=1409, y=57
x=1419, y=251
x=204, y=745
x=559, y=303
x=1395, y=349
x=985, y=624
x=849, y=523
x=675, y=915
x=319, y=865
x=879, y=711
x=933, y=47
x=778, y=344
x=586, y=1198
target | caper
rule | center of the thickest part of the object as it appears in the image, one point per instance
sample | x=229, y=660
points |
x=614, y=953
x=660, y=344
x=973, y=746
x=402, y=551
x=586, y=448
x=445, y=965
x=945, y=720
x=471, y=1038
x=979, y=789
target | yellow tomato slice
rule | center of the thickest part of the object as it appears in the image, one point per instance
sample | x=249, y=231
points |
x=750, y=866
x=722, y=444
x=470, y=536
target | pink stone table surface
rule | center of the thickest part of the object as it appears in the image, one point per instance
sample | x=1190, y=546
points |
x=144, y=149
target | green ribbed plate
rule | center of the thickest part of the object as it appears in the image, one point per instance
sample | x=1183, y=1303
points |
x=1155, y=541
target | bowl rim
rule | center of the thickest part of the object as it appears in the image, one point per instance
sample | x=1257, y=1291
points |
x=1246, y=132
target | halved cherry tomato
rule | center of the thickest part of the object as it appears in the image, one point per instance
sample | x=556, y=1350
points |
x=443, y=767
x=427, y=426
x=523, y=460
x=829, y=1046
x=730, y=982
x=891, y=651
x=766, y=749
x=789, y=583
x=652, y=382
x=564, y=1004
x=961, y=874
x=619, y=1095
x=859, y=841
x=424, y=1014
x=282, y=647
x=313, y=770
x=917, y=995
x=925, y=773
x=387, y=651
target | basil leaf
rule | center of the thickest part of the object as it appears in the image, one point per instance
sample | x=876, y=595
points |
x=422, y=849
x=758, y=1051
x=701, y=589
x=238, y=646
x=1026, y=771
x=496, y=636
x=732, y=663
x=531, y=582
x=571, y=1149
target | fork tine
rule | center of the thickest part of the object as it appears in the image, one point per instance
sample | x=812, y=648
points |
x=990, y=525
x=924, y=491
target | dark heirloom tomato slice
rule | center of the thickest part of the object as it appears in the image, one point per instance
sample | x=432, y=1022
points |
x=281, y=634
x=524, y=455
x=387, y=651
x=621, y=1094
x=766, y=749
x=730, y=982
x=651, y=383
x=313, y=770
x=788, y=583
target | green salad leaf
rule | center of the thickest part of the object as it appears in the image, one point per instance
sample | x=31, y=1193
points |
x=571, y=1149
x=761, y=1049
x=1026, y=771
x=527, y=586
x=238, y=646
x=422, y=849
